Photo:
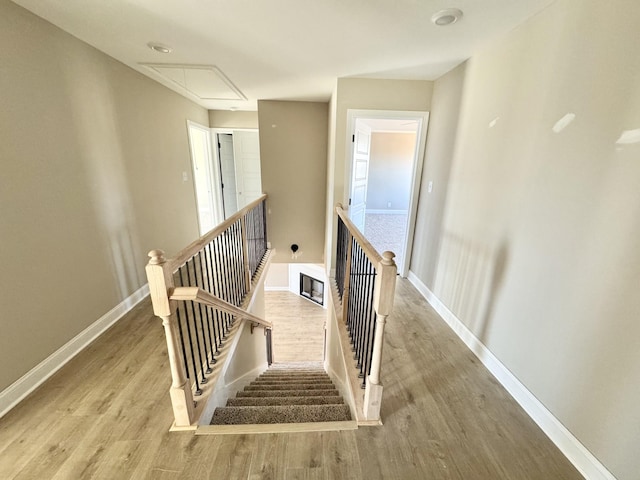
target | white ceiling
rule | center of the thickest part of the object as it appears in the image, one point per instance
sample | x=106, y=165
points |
x=287, y=49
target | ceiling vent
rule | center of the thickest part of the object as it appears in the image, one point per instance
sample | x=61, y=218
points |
x=205, y=82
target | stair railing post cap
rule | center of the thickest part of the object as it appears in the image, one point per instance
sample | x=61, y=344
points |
x=387, y=257
x=157, y=257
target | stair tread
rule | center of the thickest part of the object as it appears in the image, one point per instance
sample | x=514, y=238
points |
x=300, y=400
x=292, y=380
x=289, y=386
x=280, y=414
x=286, y=393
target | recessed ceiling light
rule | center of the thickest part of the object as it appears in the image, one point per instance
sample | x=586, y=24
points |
x=158, y=47
x=448, y=16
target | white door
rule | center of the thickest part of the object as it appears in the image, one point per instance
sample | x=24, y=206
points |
x=203, y=177
x=227, y=173
x=360, y=172
x=246, y=154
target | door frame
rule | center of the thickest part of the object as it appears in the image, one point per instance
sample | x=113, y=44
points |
x=216, y=156
x=212, y=174
x=423, y=123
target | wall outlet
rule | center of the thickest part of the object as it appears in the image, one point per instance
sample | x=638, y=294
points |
x=185, y=177
x=388, y=204
x=430, y=188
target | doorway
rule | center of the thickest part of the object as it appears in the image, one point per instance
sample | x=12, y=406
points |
x=238, y=159
x=204, y=177
x=386, y=152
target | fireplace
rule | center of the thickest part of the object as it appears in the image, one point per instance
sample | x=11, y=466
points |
x=312, y=289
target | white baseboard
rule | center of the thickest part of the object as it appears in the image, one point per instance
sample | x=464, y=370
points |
x=586, y=463
x=386, y=211
x=26, y=384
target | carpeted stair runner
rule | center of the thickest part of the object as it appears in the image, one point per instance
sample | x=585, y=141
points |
x=286, y=393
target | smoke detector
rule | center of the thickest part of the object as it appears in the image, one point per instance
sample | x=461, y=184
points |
x=160, y=48
x=445, y=17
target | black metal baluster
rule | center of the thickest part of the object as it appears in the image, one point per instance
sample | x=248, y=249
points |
x=340, y=259
x=178, y=281
x=193, y=358
x=371, y=280
x=248, y=230
x=252, y=222
x=243, y=265
x=368, y=341
x=216, y=328
x=203, y=352
x=370, y=350
x=263, y=228
x=238, y=247
x=361, y=304
x=364, y=308
x=224, y=284
x=209, y=348
x=362, y=313
x=225, y=276
x=353, y=291
x=221, y=283
x=246, y=262
x=214, y=312
x=269, y=347
x=233, y=265
x=238, y=274
x=179, y=319
x=203, y=379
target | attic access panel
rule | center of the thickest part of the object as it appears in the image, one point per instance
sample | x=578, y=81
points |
x=206, y=82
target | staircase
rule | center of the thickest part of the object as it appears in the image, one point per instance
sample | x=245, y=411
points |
x=287, y=397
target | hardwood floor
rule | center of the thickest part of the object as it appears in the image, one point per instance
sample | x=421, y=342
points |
x=106, y=415
x=298, y=327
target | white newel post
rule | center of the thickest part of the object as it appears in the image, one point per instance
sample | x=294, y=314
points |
x=382, y=303
x=160, y=284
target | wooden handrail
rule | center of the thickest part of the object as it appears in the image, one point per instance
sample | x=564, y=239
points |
x=196, y=294
x=189, y=251
x=367, y=248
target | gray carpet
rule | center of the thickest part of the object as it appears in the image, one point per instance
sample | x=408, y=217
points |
x=386, y=232
x=286, y=393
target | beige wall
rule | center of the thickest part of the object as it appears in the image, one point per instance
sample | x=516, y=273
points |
x=251, y=351
x=92, y=158
x=293, y=154
x=229, y=119
x=539, y=249
x=390, y=169
x=365, y=94
x=443, y=127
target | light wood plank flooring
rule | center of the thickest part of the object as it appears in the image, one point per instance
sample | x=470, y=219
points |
x=298, y=327
x=106, y=415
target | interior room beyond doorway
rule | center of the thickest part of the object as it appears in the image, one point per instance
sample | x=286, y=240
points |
x=387, y=149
